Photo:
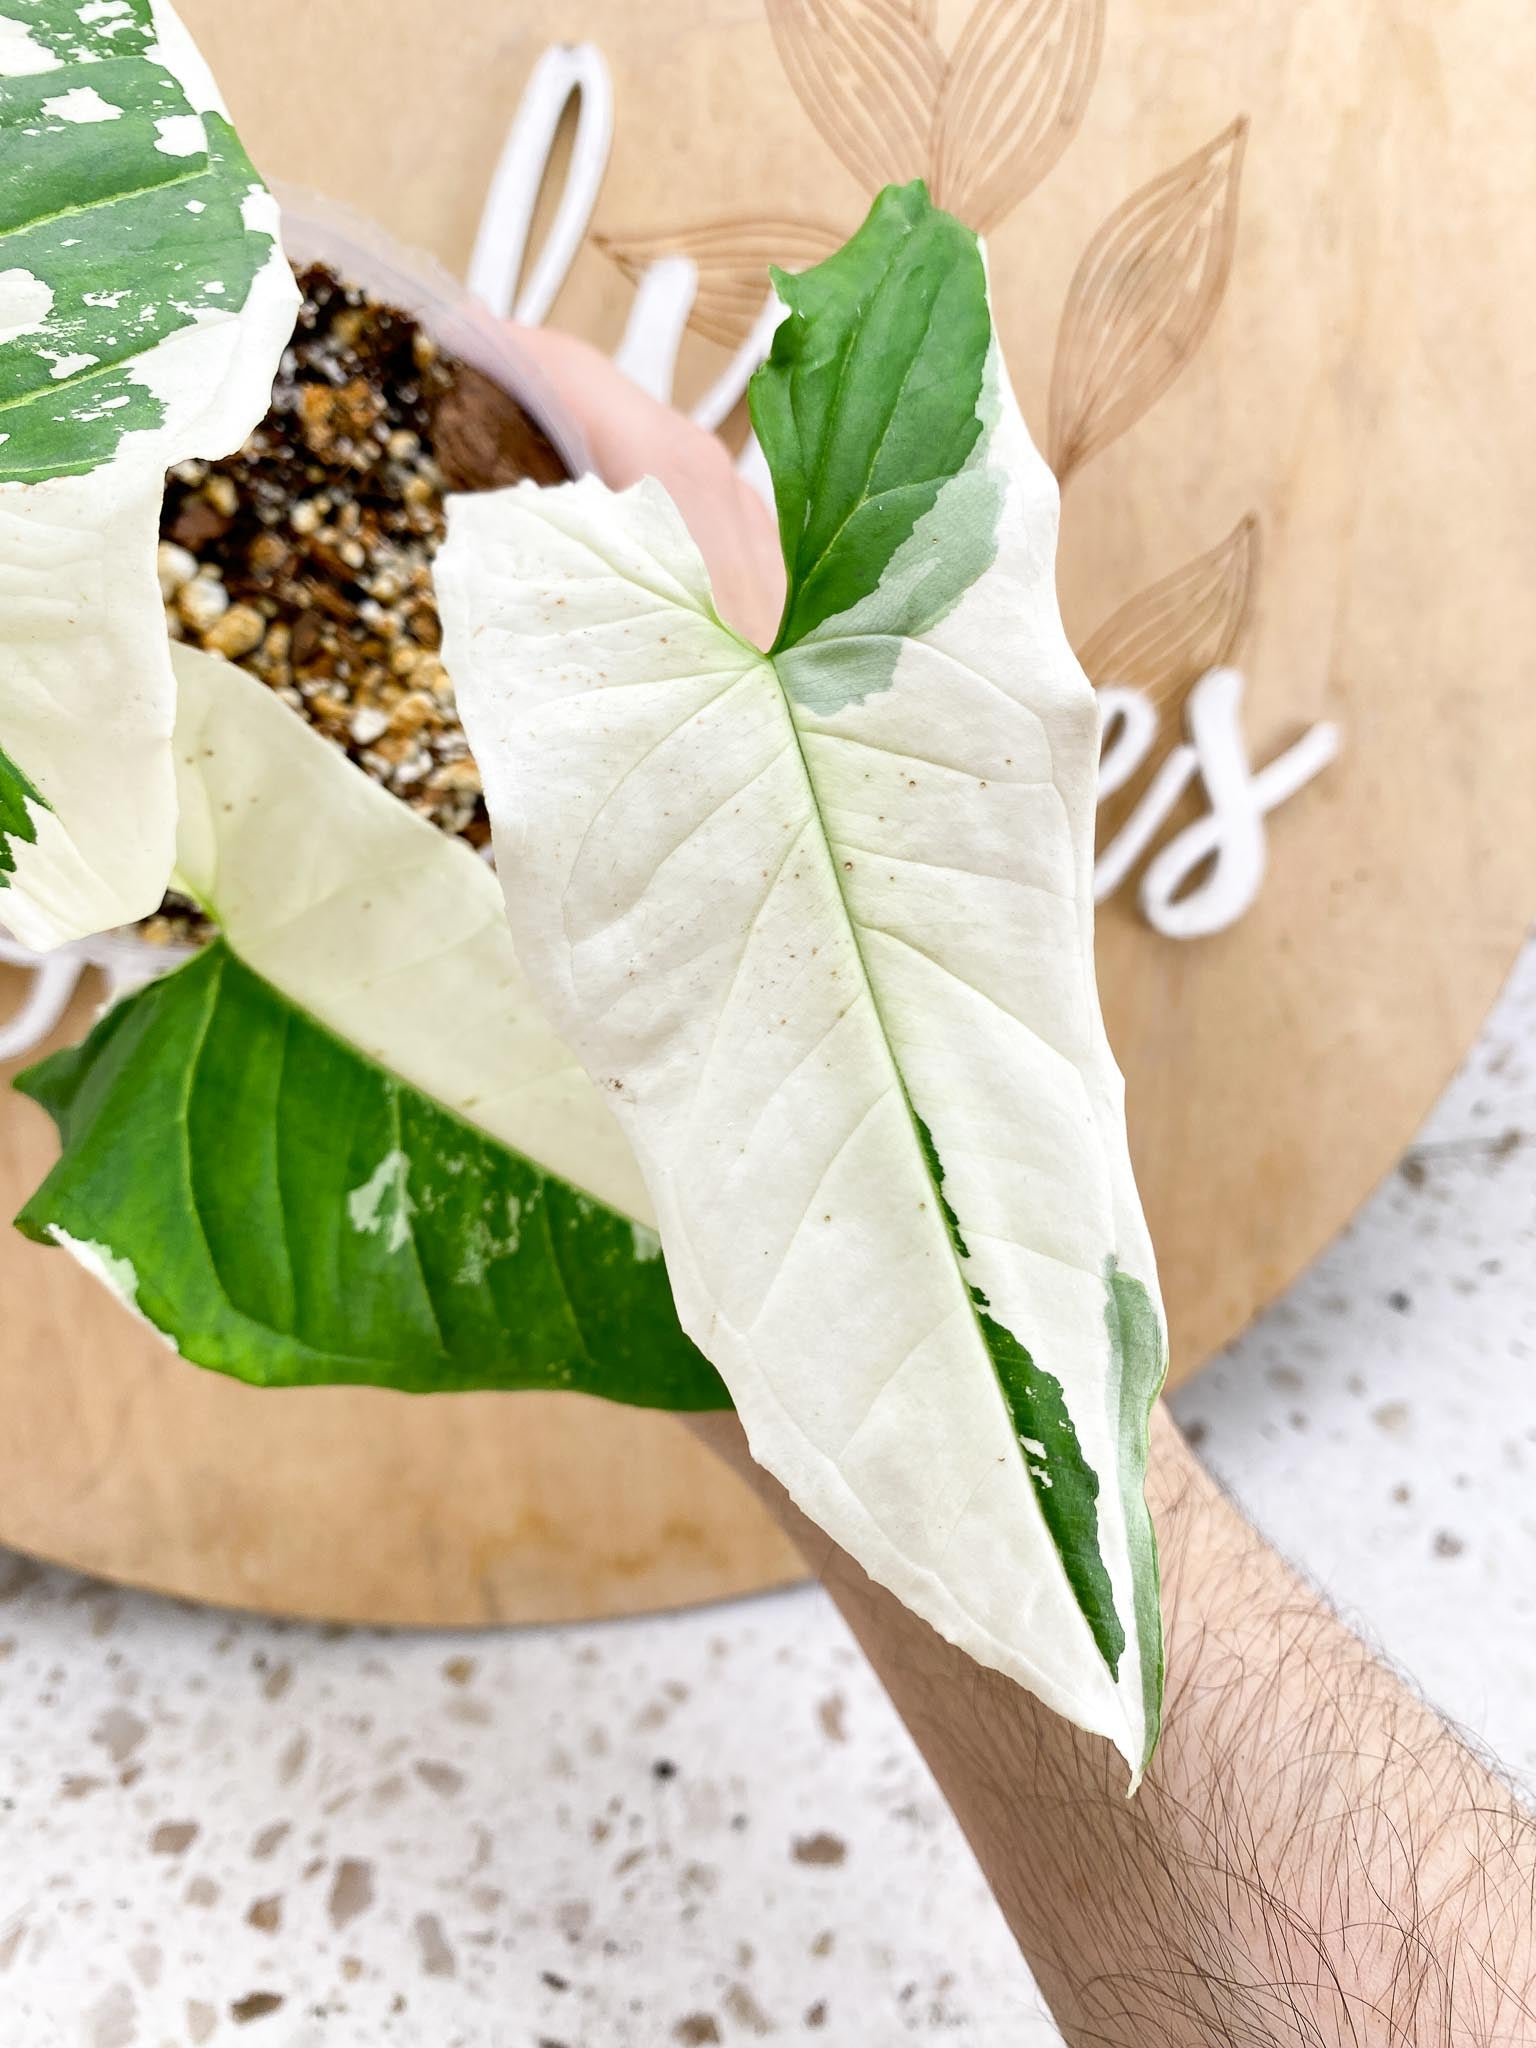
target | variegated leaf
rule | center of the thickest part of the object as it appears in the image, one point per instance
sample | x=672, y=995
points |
x=819, y=923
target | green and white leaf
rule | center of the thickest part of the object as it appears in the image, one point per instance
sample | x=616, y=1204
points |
x=144, y=306
x=341, y=1144
x=820, y=925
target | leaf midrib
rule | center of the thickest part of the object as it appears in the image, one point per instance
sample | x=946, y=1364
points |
x=936, y=1192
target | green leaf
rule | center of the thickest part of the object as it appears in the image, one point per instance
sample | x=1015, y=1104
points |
x=285, y=1211
x=144, y=305
x=822, y=922
x=868, y=401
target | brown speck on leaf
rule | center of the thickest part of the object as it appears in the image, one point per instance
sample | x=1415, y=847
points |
x=202, y=1891
x=119, y=1732
x=351, y=1891
x=474, y=1713
x=744, y=2009
x=442, y=1779
x=1447, y=1544
x=264, y=1842
x=267, y=1914
x=697, y=2030
x=822, y=1849
x=1391, y=1416
x=255, y=2005
x=573, y=1917
x=816, y=2015
x=201, y=2021
x=293, y=1759
x=831, y=1714
x=277, y=1680
x=173, y=1837
x=437, y=1958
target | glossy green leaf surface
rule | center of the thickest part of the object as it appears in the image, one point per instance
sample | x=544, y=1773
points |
x=285, y=1211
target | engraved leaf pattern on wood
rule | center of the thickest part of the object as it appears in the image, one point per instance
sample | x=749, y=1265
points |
x=732, y=258
x=1166, y=637
x=1015, y=93
x=869, y=73
x=1143, y=298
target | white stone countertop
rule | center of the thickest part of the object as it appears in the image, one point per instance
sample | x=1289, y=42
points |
x=710, y=1828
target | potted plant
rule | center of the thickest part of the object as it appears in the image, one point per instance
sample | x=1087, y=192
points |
x=803, y=962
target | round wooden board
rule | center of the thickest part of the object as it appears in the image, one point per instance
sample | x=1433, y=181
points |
x=1328, y=426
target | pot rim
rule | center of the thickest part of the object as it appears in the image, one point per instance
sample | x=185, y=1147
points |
x=320, y=230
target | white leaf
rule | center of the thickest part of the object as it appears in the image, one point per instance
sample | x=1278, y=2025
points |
x=387, y=930
x=821, y=928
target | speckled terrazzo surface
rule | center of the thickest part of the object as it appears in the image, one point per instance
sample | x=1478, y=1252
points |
x=710, y=1828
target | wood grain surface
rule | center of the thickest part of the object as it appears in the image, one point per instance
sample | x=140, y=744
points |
x=1265, y=279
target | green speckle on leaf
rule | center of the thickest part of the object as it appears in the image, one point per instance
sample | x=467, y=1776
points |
x=17, y=797
x=1139, y=1362
x=1065, y=1484
x=936, y=1175
x=296, y=1216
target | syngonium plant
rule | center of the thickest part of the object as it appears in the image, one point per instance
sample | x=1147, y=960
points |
x=780, y=1080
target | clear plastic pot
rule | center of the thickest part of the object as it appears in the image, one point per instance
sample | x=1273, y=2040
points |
x=317, y=230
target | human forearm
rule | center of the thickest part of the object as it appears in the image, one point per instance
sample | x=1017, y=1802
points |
x=1313, y=1858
